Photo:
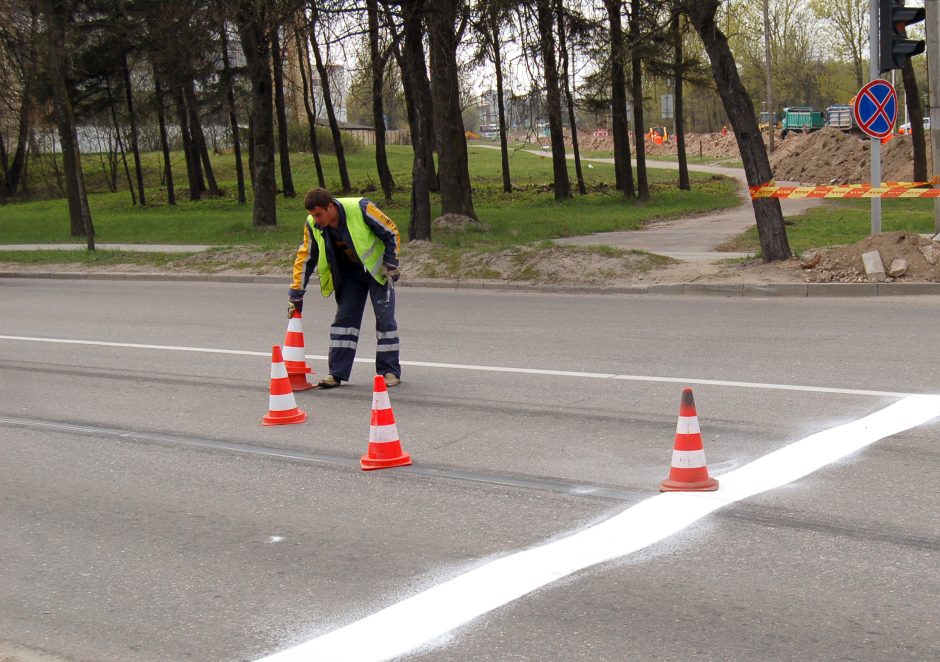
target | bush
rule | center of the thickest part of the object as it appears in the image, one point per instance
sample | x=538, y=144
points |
x=298, y=137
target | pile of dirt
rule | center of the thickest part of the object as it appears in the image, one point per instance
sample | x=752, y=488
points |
x=831, y=156
x=710, y=145
x=843, y=264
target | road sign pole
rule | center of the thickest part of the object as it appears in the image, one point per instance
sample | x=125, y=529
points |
x=875, y=143
x=933, y=103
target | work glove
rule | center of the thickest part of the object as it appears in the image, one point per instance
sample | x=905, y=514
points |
x=295, y=305
x=392, y=273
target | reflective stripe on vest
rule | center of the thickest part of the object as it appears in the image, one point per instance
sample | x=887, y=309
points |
x=368, y=246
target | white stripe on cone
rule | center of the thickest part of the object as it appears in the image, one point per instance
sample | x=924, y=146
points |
x=278, y=370
x=383, y=434
x=284, y=402
x=292, y=353
x=688, y=459
x=295, y=325
x=380, y=400
x=688, y=425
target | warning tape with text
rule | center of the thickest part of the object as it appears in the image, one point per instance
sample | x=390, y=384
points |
x=886, y=190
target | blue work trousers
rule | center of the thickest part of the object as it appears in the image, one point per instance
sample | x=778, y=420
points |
x=344, y=334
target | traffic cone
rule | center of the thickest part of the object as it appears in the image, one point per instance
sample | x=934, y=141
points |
x=689, y=472
x=294, y=358
x=384, y=446
x=282, y=408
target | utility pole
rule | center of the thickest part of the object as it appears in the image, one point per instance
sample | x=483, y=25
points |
x=932, y=28
x=771, y=125
x=875, y=143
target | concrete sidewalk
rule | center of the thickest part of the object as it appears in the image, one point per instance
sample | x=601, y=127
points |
x=140, y=248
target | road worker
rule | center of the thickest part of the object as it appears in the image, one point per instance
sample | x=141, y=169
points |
x=353, y=248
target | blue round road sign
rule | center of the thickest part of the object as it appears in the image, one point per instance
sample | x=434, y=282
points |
x=875, y=108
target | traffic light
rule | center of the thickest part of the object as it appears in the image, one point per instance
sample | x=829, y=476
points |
x=894, y=46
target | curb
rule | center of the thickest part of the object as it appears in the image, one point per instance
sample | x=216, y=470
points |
x=709, y=289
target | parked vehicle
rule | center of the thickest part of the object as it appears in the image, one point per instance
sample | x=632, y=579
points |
x=840, y=116
x=906, y=127
x=801, y=118
x=762, y=122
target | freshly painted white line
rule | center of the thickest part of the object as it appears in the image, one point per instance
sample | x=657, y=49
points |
x=426, y=616
x=490, y=368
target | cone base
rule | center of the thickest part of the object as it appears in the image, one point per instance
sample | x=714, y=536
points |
x=298, y=381
x=369, y=463
x=285, y=418
x=709, y=485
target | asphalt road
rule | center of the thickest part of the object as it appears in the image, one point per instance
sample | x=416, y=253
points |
x=145, y=513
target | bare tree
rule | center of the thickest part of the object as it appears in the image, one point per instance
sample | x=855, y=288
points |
x=454, y=170
x=228, y=83
x=623, y=168
x=553, y=98
x=255, y=23
x=164, y=142
x=287, y=181
x=740, y=112
x=915, y=112
x=419, y=116
x=636, y=60
x=377, y=61
x=303, y=48
x=57, y=15
x=569, y=96
x=493, y=14
x=325, y=87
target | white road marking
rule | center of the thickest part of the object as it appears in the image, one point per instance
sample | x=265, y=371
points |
x=422, y=618
x=488, y=368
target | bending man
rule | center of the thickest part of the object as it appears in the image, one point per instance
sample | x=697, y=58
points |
x=353, y=248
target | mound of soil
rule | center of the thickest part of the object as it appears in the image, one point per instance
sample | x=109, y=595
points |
x=831, y=156
x=844, y=263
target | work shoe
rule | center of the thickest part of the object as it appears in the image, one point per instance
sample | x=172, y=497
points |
x=391, y=380
x=328, y=382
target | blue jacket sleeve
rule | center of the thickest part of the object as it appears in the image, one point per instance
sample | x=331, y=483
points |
x=304, y=264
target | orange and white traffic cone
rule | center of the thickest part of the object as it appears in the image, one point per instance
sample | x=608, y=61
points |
x=294, y=358
x=688, y=473
x=282, y=408
x=384, y=446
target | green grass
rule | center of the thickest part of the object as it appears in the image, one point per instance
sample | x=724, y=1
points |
x=838, y=222
x=528, y=215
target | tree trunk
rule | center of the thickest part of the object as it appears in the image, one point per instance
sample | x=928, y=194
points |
x=416, y=87
x=287, y=181
x=623, y=168
x=15, y=172
x=164, y=142
x=132, y=118
x=642, y=182
x=232, y=116
x=328, y=103
x=193, y=171
x=678, y=104
x=200, y=148
x=916, y=114
x=79, y=213
x=419, y=116
x=492, y=27
x=740, y=112
x=120, y=143
x=454, y=170
x=569, y=97
x=553, y=99
x=378, y=111
x=302, y=47
x=256, y=46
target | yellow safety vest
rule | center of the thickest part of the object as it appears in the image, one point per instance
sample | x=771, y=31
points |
x=369, y=247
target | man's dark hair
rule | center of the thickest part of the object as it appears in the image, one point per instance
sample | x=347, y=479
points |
x=317, y=197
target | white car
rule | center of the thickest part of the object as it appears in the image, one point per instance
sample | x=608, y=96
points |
x=906, y=127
